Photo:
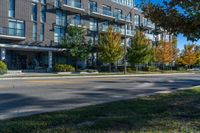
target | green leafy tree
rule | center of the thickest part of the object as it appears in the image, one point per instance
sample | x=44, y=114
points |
x=140, y=51
x=176, y=16
x=75, y=44
x=110, y=48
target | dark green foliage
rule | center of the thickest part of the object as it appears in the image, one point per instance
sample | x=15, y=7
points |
x=75, y=43
x=177, y=16
x=140, y=51
x=63, y=68
x=3, y=67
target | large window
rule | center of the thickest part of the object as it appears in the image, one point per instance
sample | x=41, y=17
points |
x=16, y=28
x=34, y=34
x=42, y=32
x=76, y=20
x=107, y=10
x=137, y=20
x=34, y=12
x=43, y=14
x=11, y=12
x=60, y=18
x=93, y=24
x=93, y=6
x=129, y=3
x=59, y=33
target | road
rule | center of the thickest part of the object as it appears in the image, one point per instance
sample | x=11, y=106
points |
x=20, y=97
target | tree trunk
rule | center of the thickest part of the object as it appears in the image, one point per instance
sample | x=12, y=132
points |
x=163, y=66
x=76, y=64
x=110, y=65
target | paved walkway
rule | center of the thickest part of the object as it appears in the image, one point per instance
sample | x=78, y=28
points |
x=19, y=97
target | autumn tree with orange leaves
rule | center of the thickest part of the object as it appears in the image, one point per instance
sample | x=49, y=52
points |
x=188, y=56
x=164, y=53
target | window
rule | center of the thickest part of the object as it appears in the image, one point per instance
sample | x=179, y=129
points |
x=43, y=14
x=11, y=12
x=36, y=1
x=34, y=35
x=42, y=32
x=137, y=20
x=118, y=13
x=59, y=33
x=43, y=2
x=129, y=3
x=16, y=28
x=107, y=10
x=60, y=18
x=34, y=12
x=93, y=24
x=57, y=3
x=76, y=20
x=93, y=6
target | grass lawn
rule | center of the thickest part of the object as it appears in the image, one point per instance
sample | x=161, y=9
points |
x=164, y=113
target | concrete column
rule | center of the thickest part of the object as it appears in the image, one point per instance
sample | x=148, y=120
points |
x=3, y=54
x=50, y=58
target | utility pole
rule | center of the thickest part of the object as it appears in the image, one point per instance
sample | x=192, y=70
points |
x=125, y=38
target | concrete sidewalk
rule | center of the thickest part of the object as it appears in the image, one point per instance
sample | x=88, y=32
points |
x=73, y=76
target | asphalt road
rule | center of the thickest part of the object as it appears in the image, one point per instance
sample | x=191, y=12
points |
x=19, y=97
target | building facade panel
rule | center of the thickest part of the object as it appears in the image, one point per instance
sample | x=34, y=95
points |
x=31, y=31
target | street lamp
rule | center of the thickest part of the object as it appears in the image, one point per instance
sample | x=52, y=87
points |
x=125, y=37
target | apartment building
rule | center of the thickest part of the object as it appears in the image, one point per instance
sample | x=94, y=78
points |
x=31, y=30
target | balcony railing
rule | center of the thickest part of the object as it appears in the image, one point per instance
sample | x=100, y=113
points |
x=74, y=4
x=122, y=17
x=78, y=23
x=101, y=11
x=6, y=31
x=116, y=29
x=150, y=36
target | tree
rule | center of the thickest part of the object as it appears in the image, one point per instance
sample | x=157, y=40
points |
x=188, y=56
x=75, y=43
x=140, y=51
x=197, y=50
x=176, y=16
x=164, y=52
x=110, y=48
x=175, y=50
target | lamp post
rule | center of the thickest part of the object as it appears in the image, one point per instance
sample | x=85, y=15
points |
x=125, y=45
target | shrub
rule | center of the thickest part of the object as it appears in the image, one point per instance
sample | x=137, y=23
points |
x=63, y=68
x=3, y=67
x=131, y=69
x=151, y=68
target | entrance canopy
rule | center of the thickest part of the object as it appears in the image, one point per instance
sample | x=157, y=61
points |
x=31, y=48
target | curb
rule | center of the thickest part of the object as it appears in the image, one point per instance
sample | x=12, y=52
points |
x=93, y=76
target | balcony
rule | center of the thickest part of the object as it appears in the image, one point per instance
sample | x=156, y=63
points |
x=122, y=18
x=148, y=26
x=12, y=33
x=73, y=6
x=102, y=14
x=150, y=36
x=78, y=23
x=129, y=33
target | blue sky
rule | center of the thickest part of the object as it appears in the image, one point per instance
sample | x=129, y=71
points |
x=181, y=40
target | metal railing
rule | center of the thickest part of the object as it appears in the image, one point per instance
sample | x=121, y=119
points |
x=73, y=3
x=12, y=32
x=102, y=11
x=122, y=17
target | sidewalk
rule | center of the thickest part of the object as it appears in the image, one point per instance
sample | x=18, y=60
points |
x=100, y=75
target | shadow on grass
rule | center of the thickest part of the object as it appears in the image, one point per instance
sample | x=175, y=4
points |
x=178, y=112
